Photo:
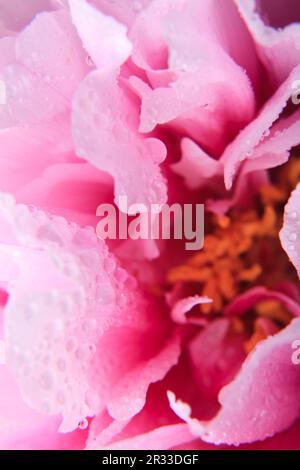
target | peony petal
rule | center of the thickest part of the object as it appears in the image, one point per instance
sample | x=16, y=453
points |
x=68, y=282
x=103, y=37
x=244, y=144
x=216, y=354
x=183, y=306
x=162, y=438
x=125, y=11
x=16, y=15
x=78, y=185
x=29, y=100
x=105, y=120
x=196, y=166
x=129, y=395
x=275, y=149
x=290, y=233
x=27, y=151
x=25, y=429
x=278, y=49
x=251, y=297
x=197, y=103
x=250, y=412
x=59, y=60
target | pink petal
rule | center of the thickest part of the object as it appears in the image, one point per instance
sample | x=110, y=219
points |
x=183, y=306
x=261, y=401
x=216, y=355
x=275, y=149
x=195, y=104
x=196, y=166
x=27, y=151
x=7, y=51
x=162, y=438
x=124, y=11
x=16, y=15
x=290, y=233
x=244, y=144
x=103, y=37
x=122, y=406
x=105, y=121
x=25, y=429
x=251, y=297
x=59, y=60
x=278, y=49
x=68, y=282
x=78, y=185
x=28, y=99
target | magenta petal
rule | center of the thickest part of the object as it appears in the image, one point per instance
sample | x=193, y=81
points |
x=123, y=406
x=261, y=401
x=59, y=60
x=290, y=233
x=105, y=129
x=245, y=143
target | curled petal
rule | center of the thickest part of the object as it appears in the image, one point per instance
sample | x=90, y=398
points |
x=250, y=412
x=250, y=298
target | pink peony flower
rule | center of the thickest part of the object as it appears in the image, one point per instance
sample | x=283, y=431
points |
x=140, y=344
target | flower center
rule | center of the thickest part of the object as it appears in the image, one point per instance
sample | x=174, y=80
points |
x=242, y=250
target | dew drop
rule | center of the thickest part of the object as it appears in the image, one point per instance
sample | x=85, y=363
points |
x=83, y=424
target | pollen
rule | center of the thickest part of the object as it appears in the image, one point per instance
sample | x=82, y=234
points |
x=242, y=250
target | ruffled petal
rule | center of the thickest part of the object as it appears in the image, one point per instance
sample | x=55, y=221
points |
x=27, y=151
x=196, y=166
x=72, y=316
x=105, y=121
x=249, y=412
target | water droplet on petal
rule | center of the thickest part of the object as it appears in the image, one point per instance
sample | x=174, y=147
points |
x=83, y=424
